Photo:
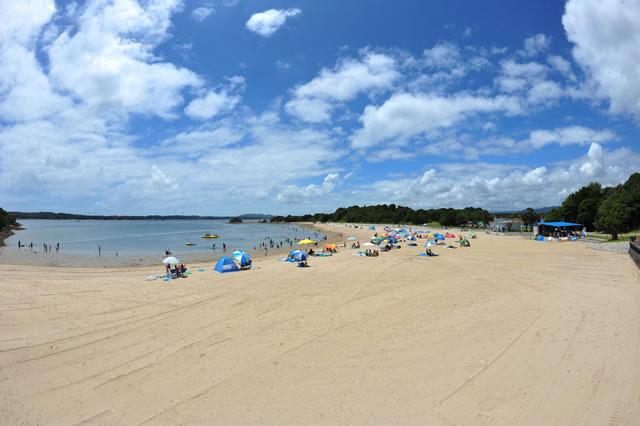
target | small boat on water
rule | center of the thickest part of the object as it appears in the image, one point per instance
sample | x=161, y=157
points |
x=190, y=243
x=208, y=236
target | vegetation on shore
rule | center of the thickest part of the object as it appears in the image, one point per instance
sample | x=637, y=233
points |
x=72, y=216
x=235, y=220
x=7, y=225
x=611, y=210
x=7, y=220
x=390, y=213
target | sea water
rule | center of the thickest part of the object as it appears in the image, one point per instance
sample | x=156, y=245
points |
x=153, y=237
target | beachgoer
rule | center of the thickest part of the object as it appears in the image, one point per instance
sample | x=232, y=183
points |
x=99, y=251
x=18, y=243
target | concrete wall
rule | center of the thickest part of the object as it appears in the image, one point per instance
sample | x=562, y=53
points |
x=634, y=252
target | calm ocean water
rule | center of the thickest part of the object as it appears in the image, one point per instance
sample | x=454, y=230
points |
x=149, y=237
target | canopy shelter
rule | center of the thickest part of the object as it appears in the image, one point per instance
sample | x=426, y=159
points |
x=561, y=224
x=558, y=229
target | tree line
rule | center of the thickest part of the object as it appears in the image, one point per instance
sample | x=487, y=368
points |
x=391, y=213
x=7, y=220
x=614, y=209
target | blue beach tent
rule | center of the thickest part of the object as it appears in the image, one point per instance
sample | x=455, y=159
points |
x=226, y=264
x=438, y=236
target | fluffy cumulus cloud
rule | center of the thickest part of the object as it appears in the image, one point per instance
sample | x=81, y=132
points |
x=268, y=22
x=503, y=186
x=405, y=115
x=297, y=194
x=606, y=38
x=108, y=61
x=314, y=101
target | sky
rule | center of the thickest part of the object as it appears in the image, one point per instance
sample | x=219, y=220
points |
x=224, y=107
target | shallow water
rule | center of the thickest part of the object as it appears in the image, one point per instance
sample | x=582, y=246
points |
x=143, y=238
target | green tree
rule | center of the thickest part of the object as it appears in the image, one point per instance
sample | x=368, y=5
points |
x=554, y=215
x=529, y=216
x=613, y=216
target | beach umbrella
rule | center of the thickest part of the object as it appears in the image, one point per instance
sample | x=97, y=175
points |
x=303, y=242
x=241, y=257
x=352, y=238
x=298, y=255
x=171, y=261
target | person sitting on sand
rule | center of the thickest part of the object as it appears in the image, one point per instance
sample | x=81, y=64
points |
x=311, y=252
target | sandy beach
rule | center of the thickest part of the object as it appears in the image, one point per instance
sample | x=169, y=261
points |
x=508, y=331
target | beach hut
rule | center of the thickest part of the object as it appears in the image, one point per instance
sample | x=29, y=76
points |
x=226, y=264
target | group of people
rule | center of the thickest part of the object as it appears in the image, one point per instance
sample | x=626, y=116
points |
x=178, y=271
x=47, y=248
x=371, y=253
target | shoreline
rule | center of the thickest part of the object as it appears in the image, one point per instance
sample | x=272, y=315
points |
x=11, y=256
x=6, y=233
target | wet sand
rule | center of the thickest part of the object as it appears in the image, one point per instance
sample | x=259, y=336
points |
x=506, y=331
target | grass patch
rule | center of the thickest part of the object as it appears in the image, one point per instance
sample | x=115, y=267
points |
x=606, y=238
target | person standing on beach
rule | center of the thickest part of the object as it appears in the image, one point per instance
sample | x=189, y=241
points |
x=18, y=243
x=99, y=251
x=224, y=247
x=57, y=247
x=265, y=250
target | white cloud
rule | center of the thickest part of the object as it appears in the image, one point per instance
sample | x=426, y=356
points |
x=314, y=101
x=606, y=38
x=406, y=115
x=268, y=22
x=201, y=13
x=501, y=186
x=216, y=102
x=297, y=194
x=160, y=180
x=535, y=45
x=108, y=63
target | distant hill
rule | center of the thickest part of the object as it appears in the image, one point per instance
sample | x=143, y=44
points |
x=541, y=210
x=72, y=216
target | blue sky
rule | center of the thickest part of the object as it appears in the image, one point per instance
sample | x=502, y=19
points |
x=232, y=106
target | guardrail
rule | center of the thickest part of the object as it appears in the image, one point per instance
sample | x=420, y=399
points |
x=634, y=251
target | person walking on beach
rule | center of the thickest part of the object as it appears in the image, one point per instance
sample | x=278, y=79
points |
x=18, y=243
x=99, y=251
x=57, y=247
x=224, y=247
